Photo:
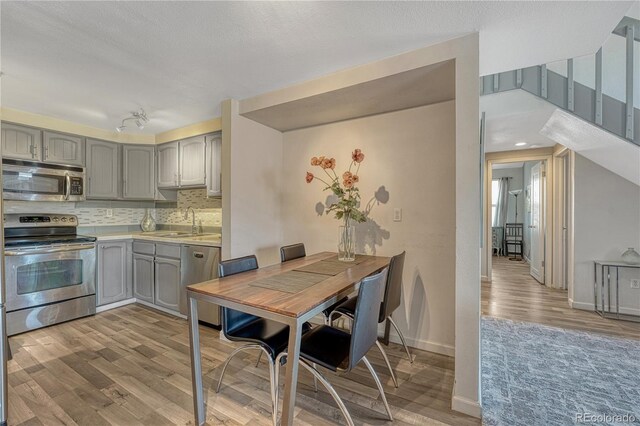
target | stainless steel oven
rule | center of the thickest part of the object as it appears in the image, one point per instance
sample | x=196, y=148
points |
x=28, y=180
x=49, y=271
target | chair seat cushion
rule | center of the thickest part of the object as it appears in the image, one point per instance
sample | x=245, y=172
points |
x=326, y=346
x=272, y=335
x=348, y=307
x=331, y=308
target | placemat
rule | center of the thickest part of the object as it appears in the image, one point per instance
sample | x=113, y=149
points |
x=331, y=266
x=289, y=282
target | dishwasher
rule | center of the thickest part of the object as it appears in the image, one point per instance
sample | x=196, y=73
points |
x=198, y=264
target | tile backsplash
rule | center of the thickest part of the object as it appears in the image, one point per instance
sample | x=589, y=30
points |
x=208, y=211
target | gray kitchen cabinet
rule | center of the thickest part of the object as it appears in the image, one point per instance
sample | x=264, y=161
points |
x=143, y=277
x=192, y=169
x=214, y=165
x=60, y=148
x=167, y=283
x=21, y=143
x=103, y=169
x=138, y=163
x=168, y=165
x=113, y=273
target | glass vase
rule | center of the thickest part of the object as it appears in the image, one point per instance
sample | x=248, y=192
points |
x=347, y=243
x=631, y=257
x=148, y=224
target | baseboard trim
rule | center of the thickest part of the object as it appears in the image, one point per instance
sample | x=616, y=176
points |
x=589, y=307
x=425, y=345
x=161, y=309
x=485, y=279
x=466, y=406
x=115, y=305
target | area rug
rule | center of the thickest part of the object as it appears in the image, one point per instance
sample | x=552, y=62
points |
x=539, y=375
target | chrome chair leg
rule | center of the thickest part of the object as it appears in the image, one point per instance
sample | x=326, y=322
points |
x=386, y=360
x=331, y=390
x=377, y=380
x=406, y=348
x=274, y=391
x=315, y=381
x=234, y=353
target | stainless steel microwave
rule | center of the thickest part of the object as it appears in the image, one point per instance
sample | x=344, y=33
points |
x=28, y=180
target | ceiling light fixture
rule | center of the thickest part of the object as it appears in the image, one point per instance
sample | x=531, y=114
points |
x=140, y=118
x=521, y=144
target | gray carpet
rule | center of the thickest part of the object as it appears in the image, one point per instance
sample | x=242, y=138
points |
x=538, y=375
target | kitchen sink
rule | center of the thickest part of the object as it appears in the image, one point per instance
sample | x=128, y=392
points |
x=174, y=235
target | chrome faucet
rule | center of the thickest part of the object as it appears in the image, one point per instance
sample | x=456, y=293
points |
x=194, y=228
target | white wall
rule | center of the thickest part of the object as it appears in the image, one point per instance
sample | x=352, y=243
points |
x=409, y=160
x=607, y=222
x=252, y=167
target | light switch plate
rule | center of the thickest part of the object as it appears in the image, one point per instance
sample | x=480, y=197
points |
x=397, y=215
x=635, y=283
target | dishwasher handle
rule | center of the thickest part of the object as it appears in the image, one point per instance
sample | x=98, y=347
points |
x=198, y=254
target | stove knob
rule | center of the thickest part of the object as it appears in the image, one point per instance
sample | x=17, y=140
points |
x=64, y=219
x=72, y=219
x=55, y=219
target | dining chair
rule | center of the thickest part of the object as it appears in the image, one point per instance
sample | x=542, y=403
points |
x=390, y=303
x=291, y=252
x=297, y=251
x=340, y=351
x=270, y=337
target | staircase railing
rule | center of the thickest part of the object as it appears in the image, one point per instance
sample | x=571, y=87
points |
x=591, y=104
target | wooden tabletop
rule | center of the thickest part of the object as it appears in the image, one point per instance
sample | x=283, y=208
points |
x=236, y=288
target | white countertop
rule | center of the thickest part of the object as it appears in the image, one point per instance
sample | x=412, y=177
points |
x=211, y=240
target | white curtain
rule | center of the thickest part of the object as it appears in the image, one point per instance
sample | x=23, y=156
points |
x=503, y=202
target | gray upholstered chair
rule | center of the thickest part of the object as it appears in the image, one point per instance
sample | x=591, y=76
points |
x=391, y=302
x=340, y=351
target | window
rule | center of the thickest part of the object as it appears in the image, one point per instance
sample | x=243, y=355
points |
x=495, y=190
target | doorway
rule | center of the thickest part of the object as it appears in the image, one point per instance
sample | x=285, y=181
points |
x=517, y=194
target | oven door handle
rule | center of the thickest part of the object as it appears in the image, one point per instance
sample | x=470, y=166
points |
x=70, y=247
x=67, y=184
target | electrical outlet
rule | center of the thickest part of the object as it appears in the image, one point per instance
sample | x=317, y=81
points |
x=109, y=213
x=635, y=283
x=397, y=215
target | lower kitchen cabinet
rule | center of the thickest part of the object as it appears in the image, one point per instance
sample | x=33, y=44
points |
x=113, y=272
x=167, y=283
x=156, y=274
x=143, y=277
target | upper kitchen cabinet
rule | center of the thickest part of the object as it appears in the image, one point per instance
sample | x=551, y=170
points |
x=103, y=170
x=63, y=149
x=138, y=172
x=168, y=165
x=214, y=165
x=182, y=164
x=21, y=143
x=192, y=162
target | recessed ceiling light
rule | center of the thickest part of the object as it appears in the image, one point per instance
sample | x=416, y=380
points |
x=521, y=144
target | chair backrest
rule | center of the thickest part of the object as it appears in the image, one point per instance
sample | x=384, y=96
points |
x=293, y=251
x=393, y=289
x=364, y=331
x=232, y=319
x=514, y=231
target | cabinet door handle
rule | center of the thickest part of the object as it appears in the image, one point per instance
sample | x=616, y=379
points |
x=46, y=152
x=175, y=179
x=32, y=150
x=124, y=183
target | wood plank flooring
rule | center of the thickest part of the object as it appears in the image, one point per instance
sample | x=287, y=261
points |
x=130, y=366
x=514, y=294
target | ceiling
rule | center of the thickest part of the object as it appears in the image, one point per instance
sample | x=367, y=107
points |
x=93, y=62
x=515, y=117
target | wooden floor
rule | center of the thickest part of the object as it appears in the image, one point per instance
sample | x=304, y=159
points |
x=130, y=366
x=514, y=294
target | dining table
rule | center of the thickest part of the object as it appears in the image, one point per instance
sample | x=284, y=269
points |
x=283, y=293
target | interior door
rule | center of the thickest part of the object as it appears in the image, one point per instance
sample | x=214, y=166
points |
x=537, y=224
